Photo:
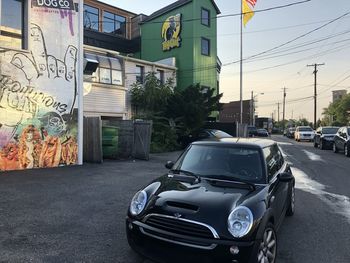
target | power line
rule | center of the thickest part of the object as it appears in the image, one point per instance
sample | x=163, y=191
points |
x=211, y=18
x=292, y=40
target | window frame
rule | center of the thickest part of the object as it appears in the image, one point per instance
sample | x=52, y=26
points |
x=208, y=19
x=161, y=73
x=98, y=17
x=115, y=20
x=208, y=41
x=141, y=75
x=24, y=27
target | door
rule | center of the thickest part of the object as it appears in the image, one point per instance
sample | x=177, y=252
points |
x=278, y=191
x=337, y=139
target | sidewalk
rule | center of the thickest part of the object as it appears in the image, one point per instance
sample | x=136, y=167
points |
x=72, y=214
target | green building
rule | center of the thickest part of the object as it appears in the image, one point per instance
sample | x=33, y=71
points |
x=187, y=31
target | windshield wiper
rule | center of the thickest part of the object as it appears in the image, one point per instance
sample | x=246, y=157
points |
x=179, y=171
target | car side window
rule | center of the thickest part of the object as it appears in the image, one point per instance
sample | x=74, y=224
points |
x=274, y=160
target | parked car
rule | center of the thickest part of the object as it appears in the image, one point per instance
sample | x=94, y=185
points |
x=263, y=133
x=221, y=201
x=252, y=131
x=290, y=132
x=204, y=134
x=324, y=137
x=342, y=141
x=305, y=133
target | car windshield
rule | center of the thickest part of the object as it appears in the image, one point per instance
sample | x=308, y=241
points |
x=262, y=130
x=304, y=129
x=348, y=130
x=329, y=130
x=222, y=162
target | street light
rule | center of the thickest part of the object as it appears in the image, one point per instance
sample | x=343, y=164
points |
x=252, y=107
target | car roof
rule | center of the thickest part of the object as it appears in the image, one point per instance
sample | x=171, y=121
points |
x=249, y=142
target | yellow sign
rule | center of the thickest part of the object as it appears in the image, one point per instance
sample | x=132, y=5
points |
x=171, y=30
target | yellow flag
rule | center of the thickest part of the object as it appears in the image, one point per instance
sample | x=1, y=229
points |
x=248, y=13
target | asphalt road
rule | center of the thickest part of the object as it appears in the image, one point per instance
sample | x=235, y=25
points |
x=76, y=214
x=319, y=231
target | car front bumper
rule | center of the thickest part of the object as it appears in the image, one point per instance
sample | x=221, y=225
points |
x=164, y=247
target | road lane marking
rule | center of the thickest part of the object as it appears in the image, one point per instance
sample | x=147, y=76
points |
x=312, y=156
x=339, y=203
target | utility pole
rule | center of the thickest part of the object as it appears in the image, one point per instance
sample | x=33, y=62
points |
x=284, y=105
x=315, y=91
x=252, y=109
x=278, y=112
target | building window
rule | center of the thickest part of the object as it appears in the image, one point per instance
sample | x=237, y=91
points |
x=109, y=70
x=91, y=17
x=205, y=46
x=160, y=75
x=11, y=23
x=205, y=17
x=114, y=24
x=140, y=72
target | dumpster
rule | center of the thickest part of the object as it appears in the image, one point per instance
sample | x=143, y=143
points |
x=109, y=142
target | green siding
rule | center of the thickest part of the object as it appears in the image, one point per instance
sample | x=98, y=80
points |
x=193, y=67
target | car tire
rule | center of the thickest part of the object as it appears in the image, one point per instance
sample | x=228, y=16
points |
x=335, y=150
x=268, y=245
x=291, y=203
x=346, y=151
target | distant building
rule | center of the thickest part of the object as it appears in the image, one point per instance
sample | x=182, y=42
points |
x=338, y=94
x=231, y=112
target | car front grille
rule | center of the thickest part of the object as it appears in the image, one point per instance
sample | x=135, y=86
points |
x=180, y=231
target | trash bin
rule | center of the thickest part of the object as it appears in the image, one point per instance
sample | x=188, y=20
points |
x=110, y=142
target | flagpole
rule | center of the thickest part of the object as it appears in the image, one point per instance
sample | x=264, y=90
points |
x=241, y=67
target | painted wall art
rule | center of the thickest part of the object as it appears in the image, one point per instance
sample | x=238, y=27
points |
x=38, y=91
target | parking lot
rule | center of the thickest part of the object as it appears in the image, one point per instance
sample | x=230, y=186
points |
x=76, y=214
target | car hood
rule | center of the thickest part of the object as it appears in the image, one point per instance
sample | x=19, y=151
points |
x=200, y=201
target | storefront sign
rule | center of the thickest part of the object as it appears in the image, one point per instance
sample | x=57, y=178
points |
x=171, y=30
x=58, y=4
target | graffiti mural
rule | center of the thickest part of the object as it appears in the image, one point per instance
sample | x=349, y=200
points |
x=38, y=92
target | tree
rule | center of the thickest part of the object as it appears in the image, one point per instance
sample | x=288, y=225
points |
x=151, y=97
x=191, y=107
x=337, y=113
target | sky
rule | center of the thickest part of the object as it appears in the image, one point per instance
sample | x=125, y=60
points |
x=285, y=66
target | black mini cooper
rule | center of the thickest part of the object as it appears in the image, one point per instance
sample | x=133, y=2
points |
x=221, y=201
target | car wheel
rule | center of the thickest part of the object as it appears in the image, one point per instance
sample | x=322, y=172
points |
x=321, y=145
x=335, y=150
x=291, y=205
x=346, y=151
x=268, y=247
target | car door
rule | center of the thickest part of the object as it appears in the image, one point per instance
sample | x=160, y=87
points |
x=278, y=191
x=318, y=135
x=342, y=139
x=337, y=138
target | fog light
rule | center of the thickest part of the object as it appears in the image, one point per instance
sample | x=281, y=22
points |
x=234, y=250
x=130, y=226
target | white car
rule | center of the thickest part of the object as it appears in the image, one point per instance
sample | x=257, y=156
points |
x=305, y=133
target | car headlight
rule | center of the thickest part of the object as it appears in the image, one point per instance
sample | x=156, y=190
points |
x=138, y=203
x=240, y=221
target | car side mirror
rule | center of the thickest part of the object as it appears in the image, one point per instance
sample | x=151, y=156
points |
x=285, y=177
x=169, y=164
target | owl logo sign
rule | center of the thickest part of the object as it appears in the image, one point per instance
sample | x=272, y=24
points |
x=171, y=30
